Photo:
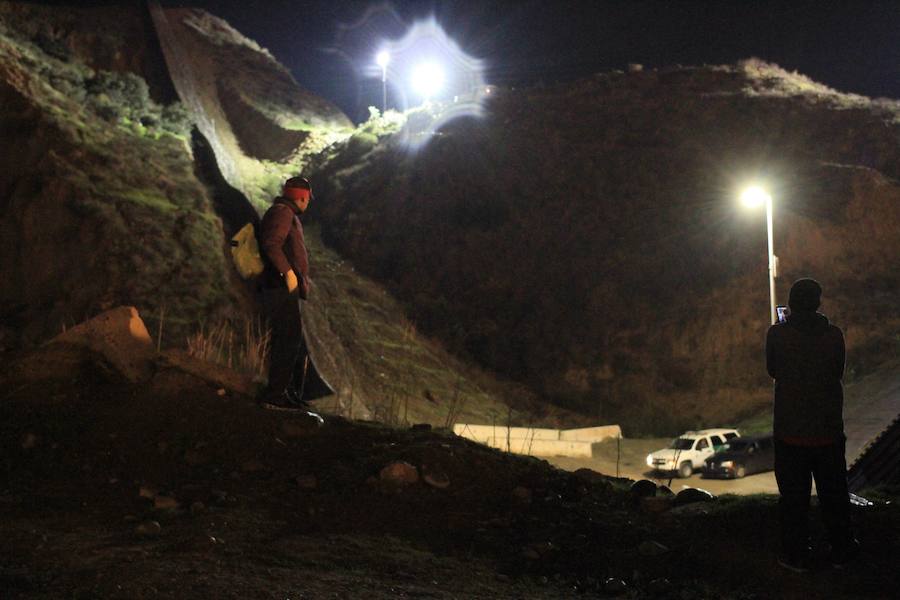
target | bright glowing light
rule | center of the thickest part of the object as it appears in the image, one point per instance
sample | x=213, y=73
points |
x=428, y=79
x=426, y=65
x=755, y=196
x=383, y=58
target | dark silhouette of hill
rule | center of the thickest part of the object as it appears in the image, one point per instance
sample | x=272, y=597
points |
x=586, y=238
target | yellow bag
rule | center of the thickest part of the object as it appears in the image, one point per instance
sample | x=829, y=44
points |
x=245, y=252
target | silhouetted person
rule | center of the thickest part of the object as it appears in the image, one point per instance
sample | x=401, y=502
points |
x=285, y=281
x=805, y=355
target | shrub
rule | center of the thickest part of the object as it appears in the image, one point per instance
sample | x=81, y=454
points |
x=175, y=119
x=361, y=142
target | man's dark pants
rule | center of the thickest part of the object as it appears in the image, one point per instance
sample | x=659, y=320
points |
x=283, y=310
x=795, y=466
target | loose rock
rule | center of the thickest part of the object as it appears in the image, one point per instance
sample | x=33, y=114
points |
x=399, y=473
x=643, y=488
x=656, y=504
x=437, y=480
x=148, y=529
x=165, y=503
x=615, y=587
x=691, y=495
x=300, y=426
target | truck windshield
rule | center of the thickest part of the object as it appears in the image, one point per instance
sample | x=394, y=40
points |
x=681, y=444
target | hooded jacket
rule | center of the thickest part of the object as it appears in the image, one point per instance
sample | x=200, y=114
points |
x=805, y=356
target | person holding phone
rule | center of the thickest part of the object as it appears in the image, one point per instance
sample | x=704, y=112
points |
x=805, y=356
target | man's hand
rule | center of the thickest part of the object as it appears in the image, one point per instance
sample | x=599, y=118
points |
x=290, y=279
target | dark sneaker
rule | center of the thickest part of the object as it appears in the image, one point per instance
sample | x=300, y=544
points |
x=793, y=562
x=840, y=558
x=295, y=399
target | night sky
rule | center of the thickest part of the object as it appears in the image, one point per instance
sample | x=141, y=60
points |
x=327, y=44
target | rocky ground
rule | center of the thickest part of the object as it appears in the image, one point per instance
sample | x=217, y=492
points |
x=179, y=488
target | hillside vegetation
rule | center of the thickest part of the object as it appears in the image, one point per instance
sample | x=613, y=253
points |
x=113, y=194
x=586, y=240
x=100, y=204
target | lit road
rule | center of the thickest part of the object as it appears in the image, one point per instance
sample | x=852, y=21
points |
x=632, y=457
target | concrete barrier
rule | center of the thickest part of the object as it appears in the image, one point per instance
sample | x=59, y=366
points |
x=591, y=434
x=538, y=441
x=543, y=447
x=480, y=433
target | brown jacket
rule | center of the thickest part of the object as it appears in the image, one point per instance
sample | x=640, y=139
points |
x=282, y=246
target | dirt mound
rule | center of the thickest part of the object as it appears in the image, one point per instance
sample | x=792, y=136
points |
x=177, y=488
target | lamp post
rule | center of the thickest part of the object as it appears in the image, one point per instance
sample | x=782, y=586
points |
x=383, y=58
x=752, y=197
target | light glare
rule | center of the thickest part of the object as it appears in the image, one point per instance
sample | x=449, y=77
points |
x=383, y=58
x=428, y=79
x=755, y=196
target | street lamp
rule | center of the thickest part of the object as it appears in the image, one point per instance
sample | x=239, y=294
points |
x=383, y=58
x=752, y=197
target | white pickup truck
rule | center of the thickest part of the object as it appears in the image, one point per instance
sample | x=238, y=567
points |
x=688, y=452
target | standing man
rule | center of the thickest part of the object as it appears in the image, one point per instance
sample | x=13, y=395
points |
x=805, y=355
x=285, y=281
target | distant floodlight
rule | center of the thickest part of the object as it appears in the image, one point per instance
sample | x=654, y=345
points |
x=382, y=59
x=427, y=79
x=755, y=196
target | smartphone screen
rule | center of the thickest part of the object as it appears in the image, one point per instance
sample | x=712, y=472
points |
x=782, y=312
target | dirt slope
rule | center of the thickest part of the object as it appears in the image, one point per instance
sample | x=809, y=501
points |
x=586, y=240
x=168, y=489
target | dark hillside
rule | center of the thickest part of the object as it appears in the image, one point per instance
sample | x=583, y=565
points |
x=108, y=197
x=173, y=489
x=113, y=37
x=100, y=204
x=586, y=238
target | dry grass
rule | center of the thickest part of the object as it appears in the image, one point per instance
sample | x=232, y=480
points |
x=244, y=348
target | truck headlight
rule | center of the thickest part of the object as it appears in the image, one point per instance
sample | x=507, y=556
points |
x=727, y=464
x=649, y=460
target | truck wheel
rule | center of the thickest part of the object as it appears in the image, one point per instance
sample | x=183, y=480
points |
x=740, y=471
x=685, y=469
